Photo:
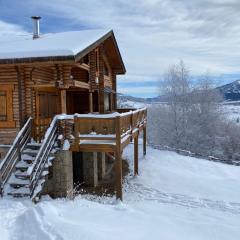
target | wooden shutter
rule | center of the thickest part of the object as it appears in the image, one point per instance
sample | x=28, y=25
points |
x=3, y=106
x=6, y=106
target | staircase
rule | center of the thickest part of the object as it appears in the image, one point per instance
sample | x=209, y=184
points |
x=19, y=181
x=24, y=170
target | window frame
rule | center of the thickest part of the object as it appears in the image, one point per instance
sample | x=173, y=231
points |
x=9, y=122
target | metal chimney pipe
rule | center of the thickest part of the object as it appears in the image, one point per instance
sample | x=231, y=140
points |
x=36, y=29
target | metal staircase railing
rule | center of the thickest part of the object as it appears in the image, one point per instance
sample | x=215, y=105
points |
x=14, y=154
x=41, y=159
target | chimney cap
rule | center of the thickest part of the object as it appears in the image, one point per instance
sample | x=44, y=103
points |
x=36, y=17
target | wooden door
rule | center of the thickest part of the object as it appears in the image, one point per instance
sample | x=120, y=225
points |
x=47, y=106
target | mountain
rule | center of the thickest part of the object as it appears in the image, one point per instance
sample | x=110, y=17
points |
x=231, y=91
x=130, y=101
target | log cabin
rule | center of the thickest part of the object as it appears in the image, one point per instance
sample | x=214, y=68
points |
x=59, y=122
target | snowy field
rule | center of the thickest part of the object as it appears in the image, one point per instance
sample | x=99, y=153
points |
x=231, y=111
x=174, y=197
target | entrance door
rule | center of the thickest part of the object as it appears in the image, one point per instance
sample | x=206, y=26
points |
x=77, y=102
x=47, y=106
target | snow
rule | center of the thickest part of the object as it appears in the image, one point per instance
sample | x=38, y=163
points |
x=66, y=145
x=231, y=111
x=174, y=197
x=52, y=44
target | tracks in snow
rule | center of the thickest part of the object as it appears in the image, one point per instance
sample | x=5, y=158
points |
x=138, y=192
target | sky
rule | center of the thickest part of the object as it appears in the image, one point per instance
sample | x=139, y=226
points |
x=152, y=34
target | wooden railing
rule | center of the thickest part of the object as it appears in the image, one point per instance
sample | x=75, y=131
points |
x=40, y=127
x=113, y=127
x=14, y=154
x=39, y=164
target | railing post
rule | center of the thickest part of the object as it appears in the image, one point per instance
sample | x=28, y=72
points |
x=136, y=155
x=118, y=164
x=1, y=185
x=131, y=127
x=145, y=133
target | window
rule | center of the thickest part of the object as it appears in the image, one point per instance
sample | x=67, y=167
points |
x=6, y=106
x=107, y=102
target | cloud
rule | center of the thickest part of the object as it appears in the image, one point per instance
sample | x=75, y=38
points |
x=153, y=34
x=10, y=29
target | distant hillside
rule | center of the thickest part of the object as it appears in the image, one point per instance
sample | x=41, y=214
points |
x=230, y=92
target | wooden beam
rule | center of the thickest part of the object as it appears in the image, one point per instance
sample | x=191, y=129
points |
x=36, y=63
x=83, y=66
x=136, y=155
x=101, y=81
x=80, y=84
x=63, y=100
x=118, y=163
x=90, y=102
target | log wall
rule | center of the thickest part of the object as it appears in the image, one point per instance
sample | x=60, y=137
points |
x=27, y=80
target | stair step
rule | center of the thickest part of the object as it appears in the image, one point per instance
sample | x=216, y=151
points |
x=21, y=174
x=33, y=146
x=31, y=152
x=20, y=192
x=22, y=165
x=27, y=158
x=17, y=182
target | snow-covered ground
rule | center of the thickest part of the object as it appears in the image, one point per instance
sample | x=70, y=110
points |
x=174, y=197
x=231, y=111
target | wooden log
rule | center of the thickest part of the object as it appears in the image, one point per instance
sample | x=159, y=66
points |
x=63, y=101
x=90, y=102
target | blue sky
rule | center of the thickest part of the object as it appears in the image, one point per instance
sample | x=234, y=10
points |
x=152, y=34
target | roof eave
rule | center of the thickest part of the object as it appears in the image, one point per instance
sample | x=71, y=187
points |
x=29, y=60
x=94, y=45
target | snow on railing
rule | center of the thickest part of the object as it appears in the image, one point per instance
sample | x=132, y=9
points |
x=8, y=163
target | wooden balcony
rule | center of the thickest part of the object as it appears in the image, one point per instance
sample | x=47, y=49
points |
x=103, y=133
x=109, y=133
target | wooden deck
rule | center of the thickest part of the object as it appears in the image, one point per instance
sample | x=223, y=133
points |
x=109, y=133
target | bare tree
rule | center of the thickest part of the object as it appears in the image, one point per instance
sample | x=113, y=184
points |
x=190, y=119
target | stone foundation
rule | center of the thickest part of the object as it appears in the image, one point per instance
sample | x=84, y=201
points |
x=60, y=178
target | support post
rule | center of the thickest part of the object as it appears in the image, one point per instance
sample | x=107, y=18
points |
x=101, y=80
x=144, y=140
x=90, y=169
x=90, y=102
x=136, y=155
x=101, y=165
x=63, y=101
x=118, y=164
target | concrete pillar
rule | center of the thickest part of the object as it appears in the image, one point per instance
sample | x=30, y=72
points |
x=90, y=169
x=60, y=180
x=101, y=165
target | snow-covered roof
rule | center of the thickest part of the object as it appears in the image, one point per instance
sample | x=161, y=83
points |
x=61, y=46
x=51, y=44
